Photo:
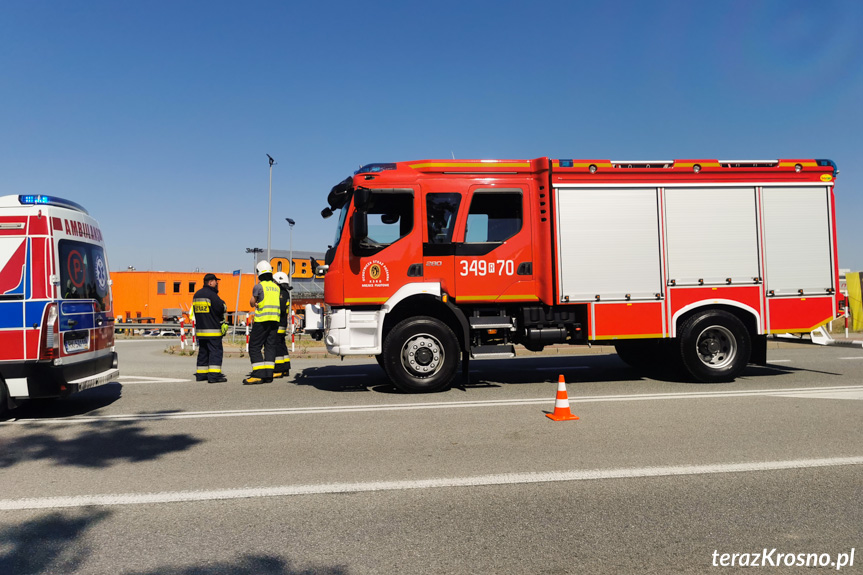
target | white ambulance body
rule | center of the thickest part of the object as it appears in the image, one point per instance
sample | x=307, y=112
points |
x=56, y=321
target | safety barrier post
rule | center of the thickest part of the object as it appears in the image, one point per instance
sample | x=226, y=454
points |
x=293, y=317
x=247, y=332
x=182, y=334
x=194, y=333
x=846, y=318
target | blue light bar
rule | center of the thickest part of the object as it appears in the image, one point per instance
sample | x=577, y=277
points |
x=375, y=168
x=40, y=200
x=829, y=163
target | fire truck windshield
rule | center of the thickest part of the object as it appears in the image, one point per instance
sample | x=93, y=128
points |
x=343, y=215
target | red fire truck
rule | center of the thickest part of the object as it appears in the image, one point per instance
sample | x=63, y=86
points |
x=691, y=263
x=56, y=322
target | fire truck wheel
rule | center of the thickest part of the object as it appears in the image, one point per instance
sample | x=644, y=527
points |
x=421, y=355
x=715, y=346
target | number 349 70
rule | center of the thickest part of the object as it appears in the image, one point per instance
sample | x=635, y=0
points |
x=486, y=268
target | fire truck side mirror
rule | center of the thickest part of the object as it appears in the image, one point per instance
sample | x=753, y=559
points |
x=359, y=227
x=361, y=199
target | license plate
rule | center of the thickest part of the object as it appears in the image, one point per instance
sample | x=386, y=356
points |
x=76, y=345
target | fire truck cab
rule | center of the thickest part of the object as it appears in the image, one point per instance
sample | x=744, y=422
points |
x=56, y=321
x=691, y=263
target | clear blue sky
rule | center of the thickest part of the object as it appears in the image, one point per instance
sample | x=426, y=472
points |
x=157, y=115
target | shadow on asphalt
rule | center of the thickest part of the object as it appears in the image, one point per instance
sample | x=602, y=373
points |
x=87, y=402
x=248, y=565
x=50, y=544
x=95, y=444
x=353, y=377
x=57, y=543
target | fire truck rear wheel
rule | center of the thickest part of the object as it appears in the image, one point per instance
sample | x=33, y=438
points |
x=715, y=346
x=421, y=355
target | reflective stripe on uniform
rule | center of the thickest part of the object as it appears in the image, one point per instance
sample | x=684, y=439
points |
x=263, y=365
x=208, y=332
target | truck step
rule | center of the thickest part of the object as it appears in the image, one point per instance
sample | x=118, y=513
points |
x=492, y=351
x=491, y=322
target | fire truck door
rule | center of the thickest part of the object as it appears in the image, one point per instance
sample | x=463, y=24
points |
x=493, y=260
x=385, y=250
x=441, y=212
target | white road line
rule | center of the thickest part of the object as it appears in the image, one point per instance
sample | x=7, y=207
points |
x=372, y=486
x=778, y=361
x=828, y=394
x=339, y=375
x=423, y=405
x=133, y=379
x=855, y=357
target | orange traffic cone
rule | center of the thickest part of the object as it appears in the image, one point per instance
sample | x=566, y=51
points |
x=561, y=404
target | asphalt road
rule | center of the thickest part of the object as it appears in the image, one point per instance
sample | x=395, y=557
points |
x=332, y=471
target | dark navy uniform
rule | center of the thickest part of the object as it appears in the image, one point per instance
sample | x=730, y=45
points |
x=283, y=360
x=209, y=311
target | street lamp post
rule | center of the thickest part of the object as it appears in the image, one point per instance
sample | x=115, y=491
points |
x=291, y=279
x=270, y=207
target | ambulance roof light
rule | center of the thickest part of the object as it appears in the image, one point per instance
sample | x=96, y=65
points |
x=42, y=200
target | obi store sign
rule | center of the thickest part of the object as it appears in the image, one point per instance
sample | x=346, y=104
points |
x=302, y=267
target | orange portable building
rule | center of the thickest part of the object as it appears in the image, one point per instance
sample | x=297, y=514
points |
x=156, y=296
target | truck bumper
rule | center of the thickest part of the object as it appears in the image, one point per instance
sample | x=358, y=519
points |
x=353, y=332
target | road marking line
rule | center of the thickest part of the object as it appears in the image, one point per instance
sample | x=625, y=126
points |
x=816, y=394
x=855, y=357
x=340, y=375
x=372, y=486
x=123, y=379
x=158, y=416
x=778, y=361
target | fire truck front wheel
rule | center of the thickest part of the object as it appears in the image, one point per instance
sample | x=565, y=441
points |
x=715, y=346
x=420, y=355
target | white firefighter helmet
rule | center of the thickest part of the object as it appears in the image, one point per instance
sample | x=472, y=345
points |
x=281, y=278
x=264, y=268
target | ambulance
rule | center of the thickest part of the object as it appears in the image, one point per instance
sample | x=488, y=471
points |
x=56, y=321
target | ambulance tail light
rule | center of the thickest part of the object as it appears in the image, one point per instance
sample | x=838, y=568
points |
x=50, y=348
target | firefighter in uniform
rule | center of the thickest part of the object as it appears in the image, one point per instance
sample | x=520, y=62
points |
x=265, y=330
x=283, y=360
x=210, y=327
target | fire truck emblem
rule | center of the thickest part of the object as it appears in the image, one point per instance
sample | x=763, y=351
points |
x=375, y=274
